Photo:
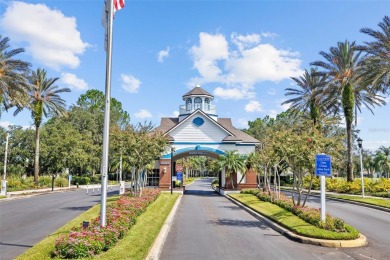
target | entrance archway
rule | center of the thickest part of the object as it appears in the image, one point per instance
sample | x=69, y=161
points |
x=199, y=131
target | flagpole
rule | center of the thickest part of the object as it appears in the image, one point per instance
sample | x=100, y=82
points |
x=106, y=130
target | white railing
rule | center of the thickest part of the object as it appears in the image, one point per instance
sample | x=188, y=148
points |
x=212, y=110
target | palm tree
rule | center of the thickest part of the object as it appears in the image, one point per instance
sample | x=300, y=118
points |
x=382, y=160
x=232, y=162
x=344, y=91
x=307, y=98
x=44, y=100
x=13, y=82
x=377, y=61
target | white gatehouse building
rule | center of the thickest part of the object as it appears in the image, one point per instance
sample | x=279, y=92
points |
x=199, y=131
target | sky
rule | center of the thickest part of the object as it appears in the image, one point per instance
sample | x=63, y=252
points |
x=242, y=52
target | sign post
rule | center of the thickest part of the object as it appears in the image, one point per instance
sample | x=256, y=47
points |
x=121, y=187
x=323, y=168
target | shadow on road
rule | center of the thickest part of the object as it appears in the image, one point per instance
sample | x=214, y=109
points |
x=82, y=208
x=6, y=244
x=231, y=207
x=239, y=223
x=208, y=193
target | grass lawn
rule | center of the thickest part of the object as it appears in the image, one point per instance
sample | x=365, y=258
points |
x=136, y=243
x=2, y=197
x=373, y=201
x=291, y=221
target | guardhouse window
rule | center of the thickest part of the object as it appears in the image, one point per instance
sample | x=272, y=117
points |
x=198, y=103
x=207, y=104
x=188, y=104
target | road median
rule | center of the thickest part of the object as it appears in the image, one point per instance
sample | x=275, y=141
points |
x=282, y=226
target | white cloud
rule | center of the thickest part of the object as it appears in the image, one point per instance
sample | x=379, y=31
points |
x=162, y=55
x=143, y=113
x=273, y=113
x=245, y=41
x=269, y=34
x=233, y=93
x=52, y=38
x=242, y=123
x=253, y=106
x=6, y=125
x=211, y=49
x=72, y=81
x=271, y=92
x=263, y=63
x=243, y=63
x=175, y=114
x=285, y=107
x=130, y=83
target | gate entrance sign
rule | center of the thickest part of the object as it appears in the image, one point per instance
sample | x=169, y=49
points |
x=323, y=165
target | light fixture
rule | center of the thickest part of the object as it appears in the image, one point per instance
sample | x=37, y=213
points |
x=360, y=142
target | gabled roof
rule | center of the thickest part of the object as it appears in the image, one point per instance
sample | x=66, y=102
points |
x=198, y=91
x=234, y=135
x=237, y=134
x=205, y=115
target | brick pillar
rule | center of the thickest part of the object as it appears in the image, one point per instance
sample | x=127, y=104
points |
x=165, y=174
x=251, y=180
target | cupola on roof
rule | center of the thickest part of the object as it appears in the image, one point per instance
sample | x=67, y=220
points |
x=198, y=91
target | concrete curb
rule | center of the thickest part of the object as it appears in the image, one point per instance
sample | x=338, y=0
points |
x=155, y=250
x=360, y=241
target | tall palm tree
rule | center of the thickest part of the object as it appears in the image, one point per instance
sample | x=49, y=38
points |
x=382, y=160
x=13, y=82
x=232, y=162
x=344, y=91
x=307, y=96
x=44, y=101
x=377, y=62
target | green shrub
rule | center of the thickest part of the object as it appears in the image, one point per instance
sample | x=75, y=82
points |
x=95, y=178
x=61, y=182
x=81, y=180
x=44, y=181
x=380, y=186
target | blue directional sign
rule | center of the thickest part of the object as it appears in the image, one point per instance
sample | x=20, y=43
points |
x=323, y=165
x=179, y=176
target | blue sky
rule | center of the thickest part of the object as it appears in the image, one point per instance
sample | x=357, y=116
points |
x=243, y=52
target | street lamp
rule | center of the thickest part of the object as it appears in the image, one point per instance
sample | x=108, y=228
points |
x=4, y=181
x=360, y=144
x=172, y=169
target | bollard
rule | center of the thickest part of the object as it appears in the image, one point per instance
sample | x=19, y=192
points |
x=93, y=188
x=87, y=189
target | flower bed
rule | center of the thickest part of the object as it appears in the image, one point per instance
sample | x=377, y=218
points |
x=310, y=215
x=120, y=217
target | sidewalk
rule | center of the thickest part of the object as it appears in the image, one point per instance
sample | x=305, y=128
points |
x=28, y=193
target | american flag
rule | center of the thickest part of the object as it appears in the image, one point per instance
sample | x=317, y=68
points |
x=118, y=5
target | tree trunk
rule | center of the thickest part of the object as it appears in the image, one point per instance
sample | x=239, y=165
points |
x=36, y=161
x=349, y=149
x=348, y=105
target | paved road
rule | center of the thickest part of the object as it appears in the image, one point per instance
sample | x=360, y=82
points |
x=26, y=221
x=209, y=226
x=374, y=224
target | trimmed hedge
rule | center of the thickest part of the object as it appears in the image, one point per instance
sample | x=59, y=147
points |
x=92, y=240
